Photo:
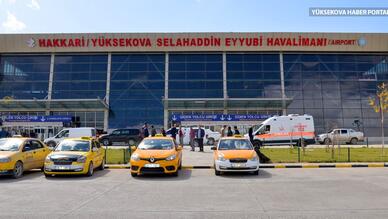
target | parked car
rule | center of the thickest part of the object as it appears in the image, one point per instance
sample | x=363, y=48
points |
x=348, y=136
x=70, y=133
x=126, y=136
x=210, y=136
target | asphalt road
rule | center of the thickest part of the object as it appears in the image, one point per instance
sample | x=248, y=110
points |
x=198, y=193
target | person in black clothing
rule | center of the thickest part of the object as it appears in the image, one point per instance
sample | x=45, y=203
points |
x=236, y=131
x=163, y=132
x=199, y=137
x=145, y=130
x=173, y=132
x=230, y=133
x=153, y=131
x=250, y=134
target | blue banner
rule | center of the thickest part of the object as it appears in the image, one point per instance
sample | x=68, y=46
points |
x=25, y=118
x=218, y=117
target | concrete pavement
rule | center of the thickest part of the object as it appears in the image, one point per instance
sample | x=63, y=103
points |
x=275, y=193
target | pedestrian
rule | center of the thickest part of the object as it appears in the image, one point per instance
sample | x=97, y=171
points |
x=163, y=132
x=199, y=137
x=181, y=135
x=153, y=131
x=250, y=134
x=236, y=131
x=229, y=133
x=173, y=132
x=224, y=131
x=192, y=137
x=145, y=130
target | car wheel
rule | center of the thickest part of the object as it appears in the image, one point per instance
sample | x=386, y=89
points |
x=217, y=172
x=90, y=170
x=210, y=141
x=47, y=175
x=17, y=170
x=131, y=142
x=134, y=174
x=106, y=142
x=353, y=141
x=52, y=144
x=102, y=166
x=256, y=173
x=327, y=141
x=176, y=173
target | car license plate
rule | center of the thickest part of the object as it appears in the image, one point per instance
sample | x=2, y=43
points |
x=61, y=168
x=151, y=165
x=238, y=165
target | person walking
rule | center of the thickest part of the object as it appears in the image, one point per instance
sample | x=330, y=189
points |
x=224, y=131
x=192, y=137
x=145, y=131
x=181, y=135
x=200, y=134
x=250, y=134
x=229, y=133
x=236, y=131
x=153, y=131
x=163, y=132
x=173, y=132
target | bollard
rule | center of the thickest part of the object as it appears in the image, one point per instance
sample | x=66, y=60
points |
x=348, y=154
x=106, y=149
x=124, y=156
x=367, y=142
x=298, y=154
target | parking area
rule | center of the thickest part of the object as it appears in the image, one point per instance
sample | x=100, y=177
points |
x=286, y=193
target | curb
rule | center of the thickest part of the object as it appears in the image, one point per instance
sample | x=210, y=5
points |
x=279, y=166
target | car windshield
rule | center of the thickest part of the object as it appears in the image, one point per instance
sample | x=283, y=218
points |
x=156, y=144
x=72, y=145
x=10, y=144
x=235, y=144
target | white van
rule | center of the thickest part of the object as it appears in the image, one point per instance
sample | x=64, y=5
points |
x=70, y=133
x=285, y=130
x=210, y=136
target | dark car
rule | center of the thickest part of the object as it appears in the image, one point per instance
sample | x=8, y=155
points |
x=127, y=136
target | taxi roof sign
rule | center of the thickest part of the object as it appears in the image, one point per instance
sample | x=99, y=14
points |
x=159, y=135
x=237, y=136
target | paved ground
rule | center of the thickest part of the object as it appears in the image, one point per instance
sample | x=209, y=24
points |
x=284, y=193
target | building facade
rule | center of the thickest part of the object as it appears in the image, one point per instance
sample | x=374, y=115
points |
x=119, y=80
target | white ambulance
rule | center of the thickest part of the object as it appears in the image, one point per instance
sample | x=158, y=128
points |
x=285, y=130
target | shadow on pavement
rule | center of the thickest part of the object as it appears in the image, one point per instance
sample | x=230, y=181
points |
x=31, y=174
x=263, y=174
x=184, y=174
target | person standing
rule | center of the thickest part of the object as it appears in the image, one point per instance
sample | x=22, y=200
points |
x=250, y=134
x=153, y=131
x=236, y=131
x=192, y=137
x=145, y=131
x=229, y=133
x=173, y=132
x=200, y=134
x=181, y=135
x=224, y=131
x=163, y=132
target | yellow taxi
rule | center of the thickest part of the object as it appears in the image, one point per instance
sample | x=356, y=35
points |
x=20, y=154
x=235, y=154
x=75, y=156
x=157, y=154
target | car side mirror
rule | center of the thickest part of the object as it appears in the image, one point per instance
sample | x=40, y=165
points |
x=94, y=149
x=133, y=148
x=213, y=148
x=179, y=148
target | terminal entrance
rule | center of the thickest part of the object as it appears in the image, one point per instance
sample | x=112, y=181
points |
x=38, y=130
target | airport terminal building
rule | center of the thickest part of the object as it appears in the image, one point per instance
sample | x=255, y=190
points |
x=118, y=80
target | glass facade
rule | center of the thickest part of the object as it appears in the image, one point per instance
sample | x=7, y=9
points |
x=253, y=75
x=195, y=76
x=24, y=76
x=334, y=88
x=80, y=76
x=137, y=90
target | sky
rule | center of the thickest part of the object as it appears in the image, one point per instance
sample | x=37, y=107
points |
x=78, y=16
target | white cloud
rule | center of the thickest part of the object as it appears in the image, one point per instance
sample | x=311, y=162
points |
x=12, y=23
x=34, y=4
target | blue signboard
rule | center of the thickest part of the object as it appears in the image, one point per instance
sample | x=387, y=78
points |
x=218, y=117
x=25, y=118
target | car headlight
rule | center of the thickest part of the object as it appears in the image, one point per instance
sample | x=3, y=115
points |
x=81, y=159
x=135, y=157
x=171, y=157
x=221, y=157
x=5, y=159
x=254, y=158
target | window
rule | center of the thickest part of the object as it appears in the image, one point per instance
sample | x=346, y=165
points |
x=116, y=132
x=125, y=132
x=344, y=131
x=63, y=134
x=36, y=145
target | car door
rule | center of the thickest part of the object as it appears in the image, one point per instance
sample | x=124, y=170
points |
x=124, y=135
x=39, y=152
x=115, y=136
x=28, y=155
x=96, y=153
x=344, y=135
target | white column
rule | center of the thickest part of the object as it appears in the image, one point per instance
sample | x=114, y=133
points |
x=107, y=94
x=284, y=109
x=165, y=105
x=51, y=79
x=224, y=81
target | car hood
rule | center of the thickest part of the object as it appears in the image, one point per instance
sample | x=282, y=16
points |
x=59, y=154
x=232, y=154
x=154, y=153
x=8, y=153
